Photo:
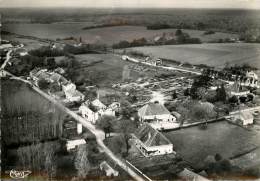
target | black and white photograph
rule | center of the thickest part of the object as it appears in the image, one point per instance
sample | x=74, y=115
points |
x=130, y=90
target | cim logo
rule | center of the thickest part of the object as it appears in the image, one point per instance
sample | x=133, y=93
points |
x=19, y=174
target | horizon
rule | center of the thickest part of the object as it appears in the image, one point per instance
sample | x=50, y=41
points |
x=134, y=4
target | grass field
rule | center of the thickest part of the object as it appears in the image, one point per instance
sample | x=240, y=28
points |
x=106, y=35
x=216, y=55
x=226, y=139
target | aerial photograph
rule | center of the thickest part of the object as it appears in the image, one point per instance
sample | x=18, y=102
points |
x=130, y=90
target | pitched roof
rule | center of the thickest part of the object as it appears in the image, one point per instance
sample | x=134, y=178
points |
x=153, y=109
x=151, y=137
x=98, y=103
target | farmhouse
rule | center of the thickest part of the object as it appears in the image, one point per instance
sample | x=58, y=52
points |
x=155, y=112
x=71, y=93
x=151, y=142
x=87, y=113
x=51, y=77
x=251, y=79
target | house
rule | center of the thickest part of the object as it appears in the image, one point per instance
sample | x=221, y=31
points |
x=108, y=169
x=187, y=174
x=38, y=74
x=243, y=117
x=98, y=104
x=155, y=112
x=72, y=144
x=74, y=96
x=87, y=113
x=71, y=93
x=112, y=109
x=151, y=142
x=251, y=79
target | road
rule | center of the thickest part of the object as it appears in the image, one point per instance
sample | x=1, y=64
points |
x=8, y=57
x=162, y=67
x=86, y=124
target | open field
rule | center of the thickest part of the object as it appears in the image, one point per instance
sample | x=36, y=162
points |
x=106, y=35
x=226, y=139
x=216, y=55
x=106, y=69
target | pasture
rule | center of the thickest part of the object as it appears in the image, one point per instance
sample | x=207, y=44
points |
x=105, y=35
x=228, y=140
x=216, y=55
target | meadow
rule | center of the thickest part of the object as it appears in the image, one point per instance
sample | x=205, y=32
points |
x=217, y=55
x=105, y=35
x=223, y=138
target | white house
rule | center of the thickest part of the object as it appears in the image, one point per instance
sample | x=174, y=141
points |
x=71, y=93
x=112, y=109
x=72, y=144
x=87, y=113
x=251, y=79
x=151, y=142
x=245, y=117
x=155, y=112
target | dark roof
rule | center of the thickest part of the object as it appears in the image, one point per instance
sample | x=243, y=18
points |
x=153, y=109
x=151, y=137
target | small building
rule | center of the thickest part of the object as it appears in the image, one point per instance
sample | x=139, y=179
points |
x=155, y=112
x=151, y=142
x=243, y=117
x=72, y=144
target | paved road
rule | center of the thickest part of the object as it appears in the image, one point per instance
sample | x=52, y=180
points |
x=86, y=124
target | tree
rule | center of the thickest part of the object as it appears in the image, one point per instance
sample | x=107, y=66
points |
x=243, y=99
x=200, y=85
x=178, y=32
x=127, y=111
x=174, y=95
x=106, y=124
x=233, y=100
x=203, y=111
x=125, y=127
x=81, y=161
x=250, y=97
x=221, y=94
x=43, y=84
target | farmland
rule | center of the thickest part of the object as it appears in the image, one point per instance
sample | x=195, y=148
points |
x=216, y=55
x=195, y=144
x=105, y=69
x=105, y=35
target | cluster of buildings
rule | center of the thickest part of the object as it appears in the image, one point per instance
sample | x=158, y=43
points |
x=53, y=77
x=93, y=110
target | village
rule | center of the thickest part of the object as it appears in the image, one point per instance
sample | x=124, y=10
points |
x=154, y=117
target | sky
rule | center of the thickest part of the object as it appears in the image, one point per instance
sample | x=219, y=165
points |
x=248, y=4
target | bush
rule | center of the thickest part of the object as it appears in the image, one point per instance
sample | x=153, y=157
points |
x=158, y=26
x=210, y=32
